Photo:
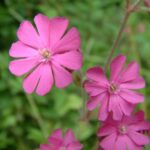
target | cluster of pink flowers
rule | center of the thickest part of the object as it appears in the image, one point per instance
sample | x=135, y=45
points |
x=116, y=98
x=48, y=54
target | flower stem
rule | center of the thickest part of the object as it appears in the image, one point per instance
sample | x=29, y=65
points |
x=117, y=40
x=36, y=114
x=129, y=10
x=84, y=97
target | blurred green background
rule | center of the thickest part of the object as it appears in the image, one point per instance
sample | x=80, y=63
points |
x=26, y=119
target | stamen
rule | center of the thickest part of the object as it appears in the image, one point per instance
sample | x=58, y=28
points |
x=45, y=53
x=113, y=88
x=123, y=129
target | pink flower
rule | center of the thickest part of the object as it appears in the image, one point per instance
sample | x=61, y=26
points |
x=45, y=54
x=115, y=95
x=127, y=133
x=58, y=142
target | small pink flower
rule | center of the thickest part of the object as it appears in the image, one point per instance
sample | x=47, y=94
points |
x=115, y=95
x=127, y=133
x=58, y=142
x=46, y=54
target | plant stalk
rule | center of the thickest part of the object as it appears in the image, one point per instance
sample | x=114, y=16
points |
x=37, y=115
x=129, y=9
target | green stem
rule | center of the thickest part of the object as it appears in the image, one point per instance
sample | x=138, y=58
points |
x=83, y=95
x=117, y=40
x=129, y=10
x=15, y=14
x=127, y=3
x=36, y=114
x=137, y=3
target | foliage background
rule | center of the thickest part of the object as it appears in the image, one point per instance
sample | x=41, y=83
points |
x=25, y=120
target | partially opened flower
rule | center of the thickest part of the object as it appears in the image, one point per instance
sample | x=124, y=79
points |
x=58, y=142
x=126, y=134
x=46, y=54
x=115, y=95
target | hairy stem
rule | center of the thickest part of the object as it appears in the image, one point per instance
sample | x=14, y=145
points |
x=127, y=3
x=129, y=10
x=117, y=40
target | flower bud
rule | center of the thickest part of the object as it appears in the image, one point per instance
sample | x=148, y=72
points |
x=147, y=3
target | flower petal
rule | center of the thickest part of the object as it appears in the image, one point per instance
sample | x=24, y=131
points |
x=138, y=138
x=115, y=107
x=120, y=143
x=18, y=49
x=138, y=83
x=106, y=130
x=22, y=66
x=55, y=142
x=94, y=101
x=74, y=146
x=43, y=26
x=28, y=35
x=141, y=126
x=131, y=96
x=117, y=66
x=71, y=60
x=45, y=147
x=125, y=142
x=131, y=145
x=97, y=74
x=126, y=107
x=70, y=41
x=103, y=111
x=69, y=137
x=108, y=143
x=138, y=117
x=58, y=26
x=31, y=81
x=131, y=72
x=57, y=134
x=41, y=78
x=46, y=80
x=62, y=77
x=117, y=112
x=56, y=138
x=93, y=89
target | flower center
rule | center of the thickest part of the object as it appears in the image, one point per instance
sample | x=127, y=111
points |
x=45, y=53
x=113, y=88
x=123, y=129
